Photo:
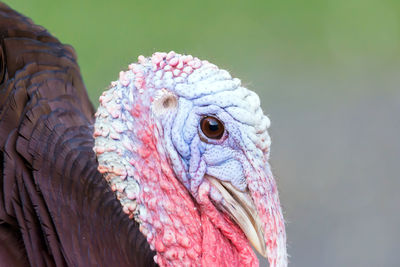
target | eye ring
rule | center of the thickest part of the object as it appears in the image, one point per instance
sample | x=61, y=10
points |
x=212, y=127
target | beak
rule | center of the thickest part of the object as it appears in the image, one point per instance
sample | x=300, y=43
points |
x=258, y=213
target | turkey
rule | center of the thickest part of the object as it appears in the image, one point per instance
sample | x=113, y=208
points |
x=172, y=169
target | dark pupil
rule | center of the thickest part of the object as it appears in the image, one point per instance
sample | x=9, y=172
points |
x=212, y=127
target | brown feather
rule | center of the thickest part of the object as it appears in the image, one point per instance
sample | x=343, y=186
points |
x=55, y=207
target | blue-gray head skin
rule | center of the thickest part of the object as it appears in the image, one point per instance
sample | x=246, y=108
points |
x=185, y=148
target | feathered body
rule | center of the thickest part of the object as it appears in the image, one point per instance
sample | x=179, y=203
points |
x=55, y=207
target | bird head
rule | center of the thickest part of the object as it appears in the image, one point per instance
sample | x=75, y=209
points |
x=185, y=148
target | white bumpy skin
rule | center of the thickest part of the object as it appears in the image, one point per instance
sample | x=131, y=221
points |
x=176, y=92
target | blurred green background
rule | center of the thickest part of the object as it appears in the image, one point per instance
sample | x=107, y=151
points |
x=328, y=73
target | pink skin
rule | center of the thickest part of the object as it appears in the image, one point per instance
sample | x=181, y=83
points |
x=268, y=206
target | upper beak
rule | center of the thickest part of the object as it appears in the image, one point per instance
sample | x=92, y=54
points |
x=242, y=210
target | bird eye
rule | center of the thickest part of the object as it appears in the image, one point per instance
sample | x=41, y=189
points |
x=212, y=127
